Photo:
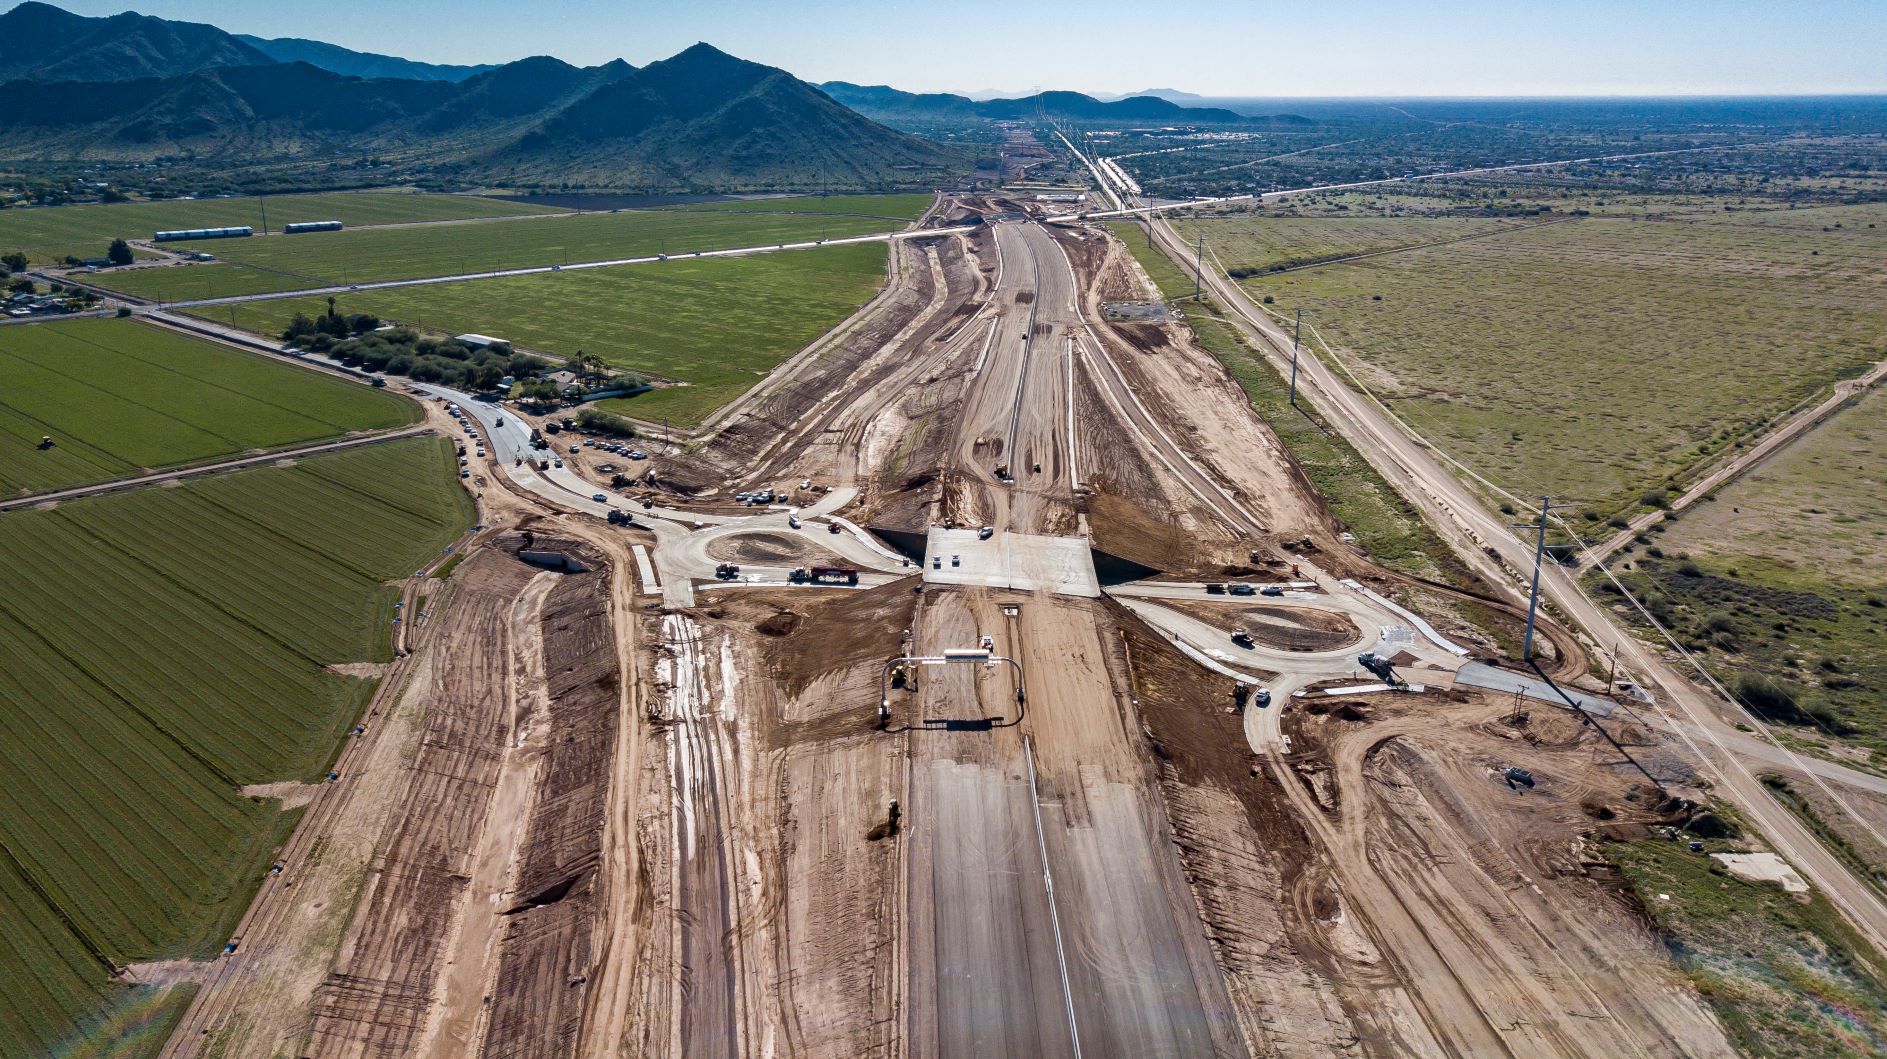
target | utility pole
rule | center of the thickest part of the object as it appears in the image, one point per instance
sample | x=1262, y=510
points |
x=1533, y=598
x=264, y=203
x=1296, y=329
x=1198, y=267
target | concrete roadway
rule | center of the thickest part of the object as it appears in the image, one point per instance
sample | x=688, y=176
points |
x=1046, y=918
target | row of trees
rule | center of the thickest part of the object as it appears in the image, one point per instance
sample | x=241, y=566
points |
x=355, y=341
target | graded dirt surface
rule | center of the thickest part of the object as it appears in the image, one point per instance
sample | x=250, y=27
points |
x=650, y=812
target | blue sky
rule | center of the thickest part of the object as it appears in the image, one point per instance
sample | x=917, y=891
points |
x=1214, y=47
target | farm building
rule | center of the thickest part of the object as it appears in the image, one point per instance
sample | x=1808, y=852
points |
x=472, y=341
x=204, y=233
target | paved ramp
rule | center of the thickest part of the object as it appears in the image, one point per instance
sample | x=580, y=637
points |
x=1022, y=561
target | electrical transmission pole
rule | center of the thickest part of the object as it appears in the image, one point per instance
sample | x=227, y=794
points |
x=1198, y=267
x=1296, y=329
x=1533, y=598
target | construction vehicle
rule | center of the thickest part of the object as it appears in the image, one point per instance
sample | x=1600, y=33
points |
x=619, y=518
x=1383, y=669
x=726, y=572
x=45, y=442
x=1517, y=777
x=1243, y=639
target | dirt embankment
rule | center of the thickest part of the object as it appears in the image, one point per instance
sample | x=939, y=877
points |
x=1244, y=856
x=771, y=888
x=545, y=962
x=378, y=997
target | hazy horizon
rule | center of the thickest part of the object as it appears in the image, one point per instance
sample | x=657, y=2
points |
x=1366, y=49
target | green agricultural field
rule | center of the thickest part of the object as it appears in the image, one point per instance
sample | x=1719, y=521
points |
x=159, y=649
x=120, y=397
x=716, y=324
x=1250, y=245
x=48, y=234
x=284, y=263
x=906, y=207
x=1601, y=358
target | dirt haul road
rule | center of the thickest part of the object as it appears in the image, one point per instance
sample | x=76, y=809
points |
x=1453, y=509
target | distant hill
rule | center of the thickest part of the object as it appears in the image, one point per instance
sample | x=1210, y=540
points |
x=336, y=59
x=889, y=105
x=46, y=43
x=1171, y=95
x=707, y=119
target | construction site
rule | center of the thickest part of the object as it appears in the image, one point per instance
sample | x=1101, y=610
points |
x=1038, y=706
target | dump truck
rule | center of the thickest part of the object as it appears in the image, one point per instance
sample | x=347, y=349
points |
x=824, y=575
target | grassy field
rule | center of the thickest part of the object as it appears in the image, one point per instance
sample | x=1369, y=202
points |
x=904, y=207
x=1245, y=243
x=1817, y=511
x=1784, y=575
x=48, y=234
x=254, y=266
x=158, y=649
x=717, y=324
x=119, y=397
x=1785, y=974
x=1602, y=358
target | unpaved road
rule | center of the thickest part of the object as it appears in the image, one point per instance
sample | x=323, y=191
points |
x=1453, y=509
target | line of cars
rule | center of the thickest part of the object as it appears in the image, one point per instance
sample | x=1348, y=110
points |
x=478, y=443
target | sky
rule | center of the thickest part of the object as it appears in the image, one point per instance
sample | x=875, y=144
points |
x=1255, y=48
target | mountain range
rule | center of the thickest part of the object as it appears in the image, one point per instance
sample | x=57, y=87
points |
x=133, y=87
x=336, y=59
x=899, y=108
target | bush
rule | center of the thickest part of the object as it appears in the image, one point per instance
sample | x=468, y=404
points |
x=1655, y=498
x=601, y=422
x=1769, y=698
